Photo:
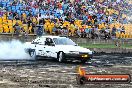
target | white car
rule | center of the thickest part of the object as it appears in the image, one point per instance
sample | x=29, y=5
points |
x=60, y=48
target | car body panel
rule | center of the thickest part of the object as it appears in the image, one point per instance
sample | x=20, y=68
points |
x=44, y=50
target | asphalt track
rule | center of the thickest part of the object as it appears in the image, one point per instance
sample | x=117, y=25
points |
x=52, y=74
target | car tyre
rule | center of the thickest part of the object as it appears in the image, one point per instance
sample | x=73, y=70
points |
x=32, y=54
x=61, y=56
x=85, y=60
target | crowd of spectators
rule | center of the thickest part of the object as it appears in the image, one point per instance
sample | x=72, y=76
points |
x=83, y=18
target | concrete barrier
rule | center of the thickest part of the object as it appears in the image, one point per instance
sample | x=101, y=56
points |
x=112, y=50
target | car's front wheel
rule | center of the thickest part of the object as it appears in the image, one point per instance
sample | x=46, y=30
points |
x=61, y=56
x=84, y=60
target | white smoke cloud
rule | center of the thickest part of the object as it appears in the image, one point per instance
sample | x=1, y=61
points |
x=13, y=50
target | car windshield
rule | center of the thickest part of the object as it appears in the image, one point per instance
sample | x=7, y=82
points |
x=63, y=41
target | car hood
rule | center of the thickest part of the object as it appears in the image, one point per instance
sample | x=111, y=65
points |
x=73, y=48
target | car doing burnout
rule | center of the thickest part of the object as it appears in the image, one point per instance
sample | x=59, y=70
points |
x=60, y=48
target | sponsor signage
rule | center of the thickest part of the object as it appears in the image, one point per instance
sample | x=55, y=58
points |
x=83, y=77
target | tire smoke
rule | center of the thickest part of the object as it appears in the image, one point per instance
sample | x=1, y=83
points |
x=13, y=50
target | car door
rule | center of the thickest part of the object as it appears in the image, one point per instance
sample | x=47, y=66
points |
x=50, y=49
x=39, y=47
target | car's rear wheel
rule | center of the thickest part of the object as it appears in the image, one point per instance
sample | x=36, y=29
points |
x=61, y=56
x=32, y=54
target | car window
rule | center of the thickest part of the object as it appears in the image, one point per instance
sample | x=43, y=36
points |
x=49, y=42
x=63, y=41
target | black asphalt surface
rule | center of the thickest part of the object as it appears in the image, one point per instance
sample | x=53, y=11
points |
x=98, y=60
x=47, y=73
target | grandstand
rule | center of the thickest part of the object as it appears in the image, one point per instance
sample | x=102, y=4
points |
x=72, y=15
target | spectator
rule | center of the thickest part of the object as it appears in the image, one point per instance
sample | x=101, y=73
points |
x=17, y=28
x=123, y=30
x=90, y=12
x=10, y=17
x=78, y=33
x=83, y=34
x=114, y=31
x=119, y=30
x=65, y=32
x=33, y=27
x=17, y=17
x=87, y=31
